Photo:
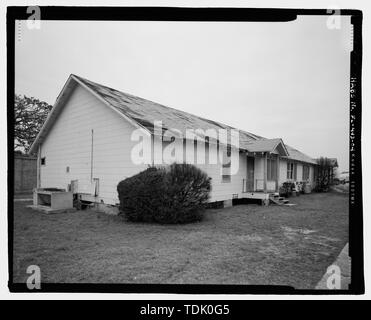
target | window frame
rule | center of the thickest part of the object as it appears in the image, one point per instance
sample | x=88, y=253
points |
x=227, y=177
x=292, y=171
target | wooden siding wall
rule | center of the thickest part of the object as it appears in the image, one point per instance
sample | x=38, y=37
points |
x=225, y=190
x=220, y=190
x=69, y=144
x=24, y=173
x=299, y=172
x=283, y=171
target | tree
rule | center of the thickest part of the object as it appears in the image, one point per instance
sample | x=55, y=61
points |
x=29, y=116
x=325, y=173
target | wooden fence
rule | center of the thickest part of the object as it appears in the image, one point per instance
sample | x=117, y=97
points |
x=25, y=173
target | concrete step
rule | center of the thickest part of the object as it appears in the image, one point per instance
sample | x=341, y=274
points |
x=276, y=202
x=276, y=199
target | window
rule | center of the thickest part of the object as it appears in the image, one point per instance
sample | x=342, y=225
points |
x=207, y=150
x=43, y=161
x=271, y=169
x=226, y=166
x=291, y=171
x=226, y=178
x=305, y=172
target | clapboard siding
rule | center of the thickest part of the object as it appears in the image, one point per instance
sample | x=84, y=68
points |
x=220, y=190
x=299, y=172
x=69, y=144
x=225, y=190
x=283, y=171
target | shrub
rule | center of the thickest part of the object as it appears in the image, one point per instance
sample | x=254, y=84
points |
x=325, y=174
x=286, y=189
x=176, y=194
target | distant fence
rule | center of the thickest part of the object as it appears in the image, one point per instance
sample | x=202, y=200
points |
x=25, y=173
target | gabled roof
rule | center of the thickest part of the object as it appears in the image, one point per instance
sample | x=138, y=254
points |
x=299, y=156
x=142, y=113
x=145, y=112
x=267, y=145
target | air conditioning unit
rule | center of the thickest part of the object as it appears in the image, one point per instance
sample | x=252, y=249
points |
x=52, y=198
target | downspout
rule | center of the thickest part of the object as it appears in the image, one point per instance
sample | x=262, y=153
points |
x=278, y=173
x=265, y=171
x=153, y=149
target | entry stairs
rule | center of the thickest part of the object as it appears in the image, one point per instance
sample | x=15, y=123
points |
x=275, y=198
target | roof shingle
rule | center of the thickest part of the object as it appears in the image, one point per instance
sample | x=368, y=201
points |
x=145, y=113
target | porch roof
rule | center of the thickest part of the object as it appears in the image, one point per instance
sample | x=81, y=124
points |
x=267, y=145
x=295, y=154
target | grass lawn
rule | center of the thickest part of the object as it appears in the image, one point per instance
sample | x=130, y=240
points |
x=342, y=187
x=244, y=244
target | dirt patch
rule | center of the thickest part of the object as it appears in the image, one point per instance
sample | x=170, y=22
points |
x=303, y=234
x=290, y=231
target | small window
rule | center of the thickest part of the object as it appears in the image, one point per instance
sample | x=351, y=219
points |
x=43, y=161
x=291, y=171
x=226, y=178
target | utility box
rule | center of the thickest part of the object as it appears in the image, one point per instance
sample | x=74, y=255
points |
x=50, y=199
x=307, y=188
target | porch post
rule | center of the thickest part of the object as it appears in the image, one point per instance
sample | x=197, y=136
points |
x=265, y=172
x=278, y=173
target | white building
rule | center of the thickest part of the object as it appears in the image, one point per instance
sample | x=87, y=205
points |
x=87, y=141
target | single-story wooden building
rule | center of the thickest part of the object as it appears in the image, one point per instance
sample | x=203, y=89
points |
x=87, y=142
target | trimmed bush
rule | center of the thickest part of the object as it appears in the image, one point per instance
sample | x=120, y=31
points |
x=176, y=194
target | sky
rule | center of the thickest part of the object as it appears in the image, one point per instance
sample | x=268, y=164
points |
x=286, y=80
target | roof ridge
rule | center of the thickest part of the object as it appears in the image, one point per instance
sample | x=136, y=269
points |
x=253, y=136
x=140, y=110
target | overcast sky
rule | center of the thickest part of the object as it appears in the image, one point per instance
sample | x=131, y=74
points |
x=286, y=80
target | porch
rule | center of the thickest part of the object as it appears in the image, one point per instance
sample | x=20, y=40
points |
x=263, y=169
